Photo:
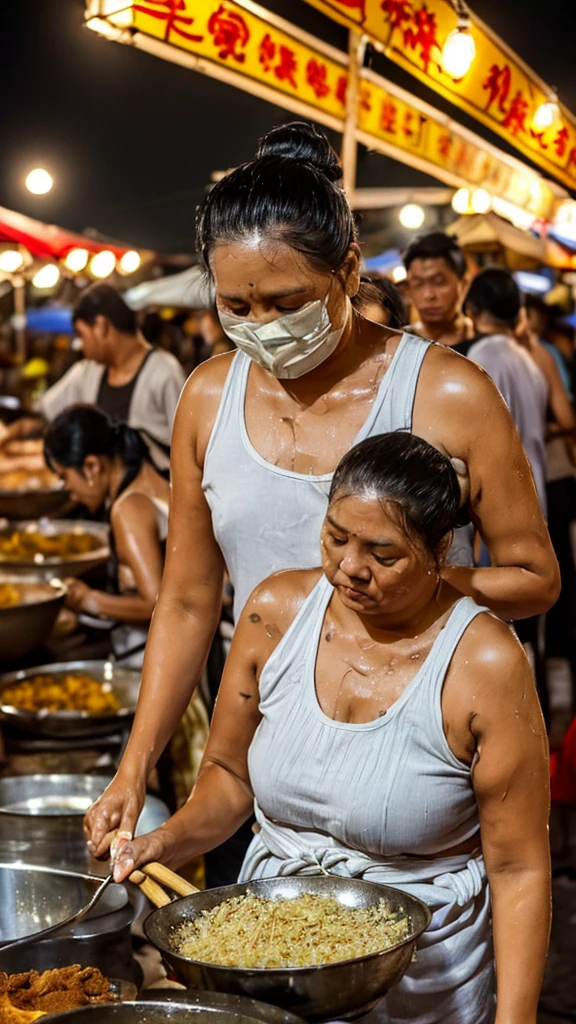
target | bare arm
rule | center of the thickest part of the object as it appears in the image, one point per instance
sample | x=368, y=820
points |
x=472, y=422
x=511, y=786
x=183, y=624
x=135, y=531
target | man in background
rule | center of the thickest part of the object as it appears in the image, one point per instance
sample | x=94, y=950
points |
x=437, y=279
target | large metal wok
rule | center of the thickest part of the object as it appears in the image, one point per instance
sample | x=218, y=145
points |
x=71, y=565
x=24, y=626
x=33, y=504
x=156, y=1007
x=125, y=682
x=315, y=993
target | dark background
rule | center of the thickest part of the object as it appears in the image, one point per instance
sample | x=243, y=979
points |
x=131, y=140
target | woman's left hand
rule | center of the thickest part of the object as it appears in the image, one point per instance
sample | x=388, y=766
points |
x=80, y=597
x=155, y=846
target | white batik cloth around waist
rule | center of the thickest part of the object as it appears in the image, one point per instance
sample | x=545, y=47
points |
x=452, y=979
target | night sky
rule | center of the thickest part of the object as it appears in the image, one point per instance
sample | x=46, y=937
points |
x=131, y=140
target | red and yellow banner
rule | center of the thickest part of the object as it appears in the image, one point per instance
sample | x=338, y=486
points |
x=243, y=41
x=498, y=90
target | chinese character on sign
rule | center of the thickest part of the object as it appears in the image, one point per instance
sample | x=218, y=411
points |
x=267, y=52
x=168, y=11
x=423, y=35
x=397, y=12
x=230, y=33
x=341, y=89
x=365, y=98
x=316, y=74
x=561, y=141
x=445, y=145
x=497, y=84
x=287, y=66
x=515, y=119
x=388, y=116
x=539, y=136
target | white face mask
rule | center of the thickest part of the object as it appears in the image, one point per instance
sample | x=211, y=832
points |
x=290, y=346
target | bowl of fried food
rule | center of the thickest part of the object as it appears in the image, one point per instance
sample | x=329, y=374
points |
x=321, y=947
x=29, y=995
x=71, y=699
x=57, y=547
x=28, y=611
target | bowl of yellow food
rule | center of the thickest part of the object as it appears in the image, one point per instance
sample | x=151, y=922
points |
x=28, y=611
x=57, y=547
x=72, y=699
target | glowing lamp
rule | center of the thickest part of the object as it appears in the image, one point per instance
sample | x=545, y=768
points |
x=130, y=262
x=399, y=274
x=411, y=216
x=39, y=182
x=459, y=51
x=46, y=277
x=546, y=115
x=102, y=264
x=77, y=260
x=11, y=261
x=481, y=200
x=461, y=201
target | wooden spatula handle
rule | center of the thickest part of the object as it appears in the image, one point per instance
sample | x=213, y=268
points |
x=160, y=873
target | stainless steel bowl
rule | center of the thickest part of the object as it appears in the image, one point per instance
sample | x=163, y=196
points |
x=125, y=683
x=156, y=1007
x=33, y=504
x=32, y=897
x=74, y=565
x=330, y=991
x=24, y=626
x=41, y=820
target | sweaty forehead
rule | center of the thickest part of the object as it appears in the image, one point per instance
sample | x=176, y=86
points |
x=256, y=264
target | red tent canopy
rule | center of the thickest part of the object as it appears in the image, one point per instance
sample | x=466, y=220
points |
x=46, y=240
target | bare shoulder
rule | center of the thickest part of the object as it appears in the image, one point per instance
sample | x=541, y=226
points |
x=133, y=509
x=490, y=662
x=275, y=603
x=208, y=379
x=199, y=404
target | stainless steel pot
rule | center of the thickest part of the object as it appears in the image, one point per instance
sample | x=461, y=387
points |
x=24, y=626
x=59, y=724
x=315, y=993
x=73, y=565
x=156, y=1007
x=41, y=819
x=33, y=897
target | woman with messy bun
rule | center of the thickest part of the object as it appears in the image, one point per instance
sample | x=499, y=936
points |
x=385, y=727
x=259, y=432
x=107, y=463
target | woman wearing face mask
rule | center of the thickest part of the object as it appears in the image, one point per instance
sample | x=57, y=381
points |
x=259, y=433
x=106, y=463
x=375, y=673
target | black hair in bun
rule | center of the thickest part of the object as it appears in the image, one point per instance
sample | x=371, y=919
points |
x=303, y=142
x=291, y=193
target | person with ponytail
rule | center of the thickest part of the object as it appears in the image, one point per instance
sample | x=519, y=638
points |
x=386, y=727
x=259, y=432
x=107, y=463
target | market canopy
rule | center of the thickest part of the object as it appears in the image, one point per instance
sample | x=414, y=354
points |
x=46, y=241
x=188, y=290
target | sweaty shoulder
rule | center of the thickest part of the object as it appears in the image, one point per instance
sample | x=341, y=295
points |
x=489, y=662
x=275, y=603
x=200, y=400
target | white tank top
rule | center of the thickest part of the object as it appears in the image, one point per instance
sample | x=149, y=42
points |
x=266, y=518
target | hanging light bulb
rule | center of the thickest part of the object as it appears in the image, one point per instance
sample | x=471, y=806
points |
x=130, y=262
x=47, y=277
x=102, y=264
x=11, y=261
x=461, y=201
x=411, y=216
x=481, y=200
x=76, y=260
x=399, y=274
x=459, y=50
x=547, y=114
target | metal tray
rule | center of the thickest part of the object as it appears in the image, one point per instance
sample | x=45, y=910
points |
x=157, y=1007
x=25, y=626
x=61, y=724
